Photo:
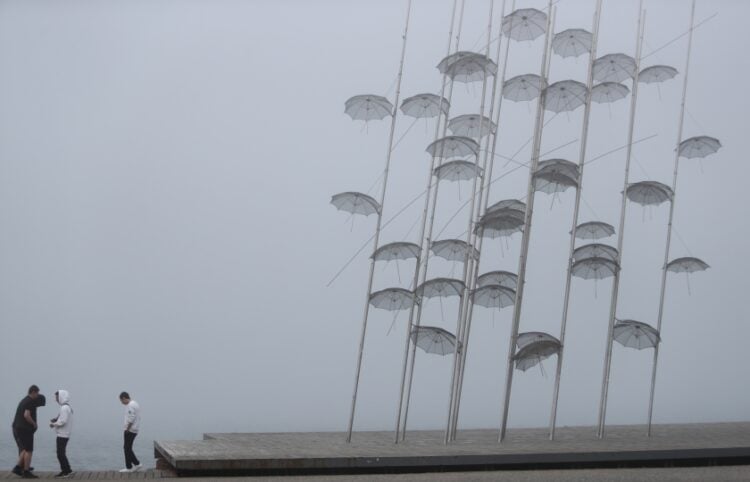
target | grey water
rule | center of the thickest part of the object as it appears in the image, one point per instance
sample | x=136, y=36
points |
x=86, y=451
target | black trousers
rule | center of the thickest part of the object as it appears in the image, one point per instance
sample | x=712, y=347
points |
x=62, y=444
x=130, y=458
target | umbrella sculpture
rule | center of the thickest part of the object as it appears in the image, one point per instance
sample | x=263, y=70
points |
x=458, y=171
x=614, y=68
x=555, y=175
x=594, y=230
x=656, y=74
x=425, y=105
x=530, y=337
x=595, y=250
x=440, y=287
x=392, y=299
x=608, y=92
x=451, y=59
x=368, y=107
x=565, y=96
x=700, y=146
x=594, y=268
x=523, y=88
x=687, y=265
x=435, y=340
x=471, y=125
x=399, y=250
x=649, y=193
x=494, y=296
x=453, y=249
x=512, y=204
x=502, y=278
x=534, y=353
x=453, y=146
x=471, y=68
x=634, y=334
x=355, y=203
x=525, y=24
x=500, y=222
x=572, y=42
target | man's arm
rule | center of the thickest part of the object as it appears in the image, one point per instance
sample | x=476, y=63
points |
x=27, y=417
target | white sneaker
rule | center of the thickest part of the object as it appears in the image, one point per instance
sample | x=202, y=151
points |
x=138, y=467
x=126, y=470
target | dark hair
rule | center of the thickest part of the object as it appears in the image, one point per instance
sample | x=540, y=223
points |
x=33, y=389
x=124, y=395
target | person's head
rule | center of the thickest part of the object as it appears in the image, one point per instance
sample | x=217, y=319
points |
x=62, y=397
x=124, y=398
x=33, y=392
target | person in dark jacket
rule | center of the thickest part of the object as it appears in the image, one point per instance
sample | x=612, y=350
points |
x=24, y=426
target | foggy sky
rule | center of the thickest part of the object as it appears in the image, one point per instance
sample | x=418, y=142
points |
x=165, y=173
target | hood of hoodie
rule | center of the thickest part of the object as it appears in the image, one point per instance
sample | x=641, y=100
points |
x=63, y=397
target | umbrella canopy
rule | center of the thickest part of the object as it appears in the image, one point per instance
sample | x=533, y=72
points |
x=451, y=59
x=565, y=96
x=555, y=175
x=355, y=203
x=525, y=24
x=594, y=230
x=523, y=87
x=494, y=296
x=368, y=107
x=634, y=334
x=453, y=249
x=502, y=278
x=572, y=42
x=594, y=268
x=399, y=250
x=471, y=68
x=700, y=146
x=500, y=222
x=425, y=106
x=614, y=68
x=687, y=265
x=512, y=204
x=656, y=74
x=530, y=337
x=595, y=250
x=441, y=287
x=458, y=171
x=471, y=125
x=607, y=92
x=649, y=193
x=453, y=146
x=392, y=299
x=534, y=353
x=435, y=340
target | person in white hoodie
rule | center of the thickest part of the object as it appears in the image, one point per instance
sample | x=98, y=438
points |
x=63, y=426
x=132, y=425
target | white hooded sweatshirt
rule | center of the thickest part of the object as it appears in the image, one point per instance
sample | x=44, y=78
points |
x=133, y=416
x=63, y=424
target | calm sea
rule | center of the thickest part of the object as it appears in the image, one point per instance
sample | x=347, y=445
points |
x=85, y=451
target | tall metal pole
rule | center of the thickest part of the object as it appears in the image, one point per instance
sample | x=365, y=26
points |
x=581, y=164
x=671, y=217
x=489, y=161
x=426, y=241
x=621, y=232
x=527, y=224
x=469, y=241
x=376, y=239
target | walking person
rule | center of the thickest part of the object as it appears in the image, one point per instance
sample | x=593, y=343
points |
x=24, y=426
x=63, y=425
x=132, y=425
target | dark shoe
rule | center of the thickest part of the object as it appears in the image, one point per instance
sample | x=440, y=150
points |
x=28, y=475
x=17, y=470
x=63, y=475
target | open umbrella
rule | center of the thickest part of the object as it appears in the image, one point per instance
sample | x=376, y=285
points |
x=530, y=337
x=525, y=24
x=649, y=193
x=565, y=96
x=368, y=107
x=522, y=88
x=572, y=42
x=699, y=146
x=355, y=203
x=502, y=278
x=536, y=352
x=435, y=340
x=607, y=92
x=453, y=146
x=424, y=106
x=614, y=68
x=634, y=334
x=594, y=268
x=594, y=230
x=555, y=175
x=468, y=125
x=453, y=249
x=512, y=204
x=399, y=250
x=656, y=73
x=392, y=299
x=494, y=296
x=595, y=250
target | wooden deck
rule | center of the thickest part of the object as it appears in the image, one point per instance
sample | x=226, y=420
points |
x=97, y=475
x=328, y=452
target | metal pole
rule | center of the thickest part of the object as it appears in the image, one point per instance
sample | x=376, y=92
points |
x=527, y=225
x=621, y=232
x=425, y=241
x=671, y=216
x=581, y=164
x=379, y=221
x=469, y=243
x=487, y=170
